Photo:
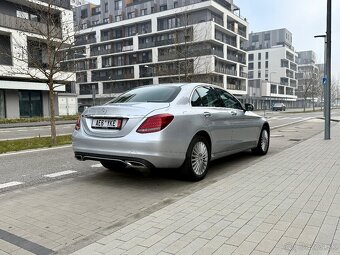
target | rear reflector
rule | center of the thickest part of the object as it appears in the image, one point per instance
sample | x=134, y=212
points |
x=77, y=126
x=155, y=123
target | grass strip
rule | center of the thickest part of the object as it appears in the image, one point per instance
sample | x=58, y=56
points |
x=37, y=119
x=32, y=143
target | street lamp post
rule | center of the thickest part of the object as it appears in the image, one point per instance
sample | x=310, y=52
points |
x=327, y=71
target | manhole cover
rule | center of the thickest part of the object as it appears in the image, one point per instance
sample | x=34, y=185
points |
x=295, y=140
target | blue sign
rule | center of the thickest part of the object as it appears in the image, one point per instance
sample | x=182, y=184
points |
x=324, y=80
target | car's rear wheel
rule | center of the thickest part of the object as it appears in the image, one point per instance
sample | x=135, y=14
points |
x=263, y=143
x=113, y=165
x=196, y=163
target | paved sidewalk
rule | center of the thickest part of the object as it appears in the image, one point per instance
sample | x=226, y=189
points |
x=36, y=124
x=285, y=204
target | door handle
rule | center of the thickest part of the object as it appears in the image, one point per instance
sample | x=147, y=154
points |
x=207, y=114
x=233, y=113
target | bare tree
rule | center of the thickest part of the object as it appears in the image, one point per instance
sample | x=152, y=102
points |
x=45, y=39
x=310, y=86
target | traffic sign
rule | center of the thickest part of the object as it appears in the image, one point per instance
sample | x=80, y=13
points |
x=324, y=80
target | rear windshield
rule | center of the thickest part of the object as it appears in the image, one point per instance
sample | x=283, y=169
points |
x=152, y=94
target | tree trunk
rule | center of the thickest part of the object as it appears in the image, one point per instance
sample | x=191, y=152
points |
x=52, y=114
x=304, y=104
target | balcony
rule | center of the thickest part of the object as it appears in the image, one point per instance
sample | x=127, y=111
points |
x=109, y=77
x=28, y=26
x=236, y=87
x=236, y=58
x=60, y=3
x=221, y=69
x=84, y=41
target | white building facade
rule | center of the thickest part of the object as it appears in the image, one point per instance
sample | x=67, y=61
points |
x=272, y=66
x=123, y=44
x=20, y=94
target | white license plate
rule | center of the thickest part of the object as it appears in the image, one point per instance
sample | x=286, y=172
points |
x=107, y=123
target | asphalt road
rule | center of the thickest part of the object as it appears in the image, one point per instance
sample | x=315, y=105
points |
x=274, y=118
x=54, y=174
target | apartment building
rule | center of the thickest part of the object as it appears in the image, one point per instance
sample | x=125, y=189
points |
x=308, y=73
x=21, y=49
x=272, y=66
x=123, y=44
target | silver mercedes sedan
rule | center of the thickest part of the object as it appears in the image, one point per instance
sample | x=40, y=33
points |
x=169, y=126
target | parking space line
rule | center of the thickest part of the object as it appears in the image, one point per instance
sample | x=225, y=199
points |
x=9, y=184
x=57, y=174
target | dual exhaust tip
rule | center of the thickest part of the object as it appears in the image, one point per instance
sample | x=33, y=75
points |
x=128, y=163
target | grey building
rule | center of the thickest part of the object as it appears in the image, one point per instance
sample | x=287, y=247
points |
x=308, y=74
x=272, y=67
x=122, y=44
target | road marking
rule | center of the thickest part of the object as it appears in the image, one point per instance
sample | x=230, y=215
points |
x=5, y=131
x=97, y=165
x=35, y=150
x=9, y=184
x=60, y=173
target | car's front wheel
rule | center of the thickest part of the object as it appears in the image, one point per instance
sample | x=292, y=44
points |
x=113, y=165
x=196, y=163
x=263, y=143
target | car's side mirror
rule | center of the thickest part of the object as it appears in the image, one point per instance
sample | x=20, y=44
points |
x=249, y=107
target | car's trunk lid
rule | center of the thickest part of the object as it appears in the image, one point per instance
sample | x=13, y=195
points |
x=125, y=115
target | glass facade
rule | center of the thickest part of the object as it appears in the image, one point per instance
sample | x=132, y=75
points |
x=30, y=104
x=2, y=104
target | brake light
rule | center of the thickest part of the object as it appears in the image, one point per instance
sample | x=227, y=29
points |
x=155, y=123
x=77, y=126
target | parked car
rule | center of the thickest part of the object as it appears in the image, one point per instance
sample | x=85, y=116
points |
x=169, y=126
x=279, y=107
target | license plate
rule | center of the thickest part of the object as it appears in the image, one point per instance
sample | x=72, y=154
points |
x=107, y=123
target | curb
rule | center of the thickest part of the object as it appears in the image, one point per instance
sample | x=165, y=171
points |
x=36, y=124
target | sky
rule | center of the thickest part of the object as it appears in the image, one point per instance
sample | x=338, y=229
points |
x=304, y=18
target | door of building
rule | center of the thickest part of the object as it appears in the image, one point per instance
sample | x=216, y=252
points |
x=30, y=104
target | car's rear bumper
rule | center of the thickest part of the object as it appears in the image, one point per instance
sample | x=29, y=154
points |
x=154, y=150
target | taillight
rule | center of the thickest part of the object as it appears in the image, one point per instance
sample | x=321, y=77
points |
x=155, y=123
x=77, y=126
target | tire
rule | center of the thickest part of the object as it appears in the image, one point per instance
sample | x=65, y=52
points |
x=112, y=165
x=196, y=164
x=263, y=143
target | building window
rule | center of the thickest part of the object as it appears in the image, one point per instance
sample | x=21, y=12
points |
x=266, y=64
x=255, y=38
x=251, y=66
x=259, y=65
x=267, y=55
x=259, y=74
x=83, y=14
x=152, y=9
x=118, y=5
x=251, y=57
x=131, y=15
x=143, y=12
x=106, y=7
x=259, y=56
x=95, y=11
x=267, y=37
x=175, y=4
x=118, y=17
x=163, y=7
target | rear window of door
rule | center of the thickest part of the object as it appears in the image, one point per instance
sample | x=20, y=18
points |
x=229, y=100
x=205, y=96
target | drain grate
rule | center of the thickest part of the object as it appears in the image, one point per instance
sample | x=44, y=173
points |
x=295, y=140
